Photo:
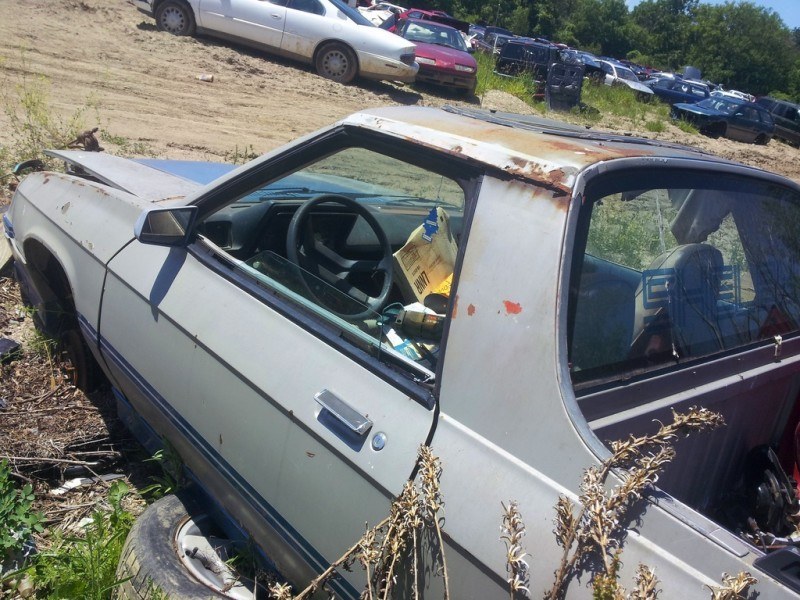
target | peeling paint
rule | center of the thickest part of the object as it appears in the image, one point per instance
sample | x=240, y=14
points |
x=512, y=308
x=65, y=208
x=470, y=310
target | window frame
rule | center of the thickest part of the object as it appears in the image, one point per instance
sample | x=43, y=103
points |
x=596, y=182
x=319, y=8
x=220, y=263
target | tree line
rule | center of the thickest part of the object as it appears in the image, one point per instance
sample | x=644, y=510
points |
x=736, y=44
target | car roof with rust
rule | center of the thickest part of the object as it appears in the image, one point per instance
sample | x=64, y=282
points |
x=525, y=145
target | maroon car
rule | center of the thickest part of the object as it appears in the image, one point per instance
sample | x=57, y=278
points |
x=442, y=54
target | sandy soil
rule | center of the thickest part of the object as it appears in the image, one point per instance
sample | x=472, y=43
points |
x=105, y=58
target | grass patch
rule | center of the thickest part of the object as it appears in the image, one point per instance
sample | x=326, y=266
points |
x=686, y=127
x=600, y=104
x=239, y=156
x=523, y=87
x=33, y=122
x=18, y=521
x=125, y=146
x=616, y=100
x=84, y=565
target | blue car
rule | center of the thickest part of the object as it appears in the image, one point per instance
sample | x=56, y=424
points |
x=728, y=117
x=672, y=90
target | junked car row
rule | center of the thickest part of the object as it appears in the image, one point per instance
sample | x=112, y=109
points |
x=429, y=47
x=339, y=41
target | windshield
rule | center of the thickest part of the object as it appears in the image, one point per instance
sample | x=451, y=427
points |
x=720, y=104
x=625, y=73
x=352, y=13
x=425, y=32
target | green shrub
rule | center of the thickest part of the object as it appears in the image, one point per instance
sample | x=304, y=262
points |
x=18, y=521
x=523, y=87
x=34, y=124
x=686, y=127
x=85, y=565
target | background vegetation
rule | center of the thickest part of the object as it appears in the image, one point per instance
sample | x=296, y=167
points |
x=736, y=44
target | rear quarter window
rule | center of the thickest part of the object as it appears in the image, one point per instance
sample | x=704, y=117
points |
x=667, y=275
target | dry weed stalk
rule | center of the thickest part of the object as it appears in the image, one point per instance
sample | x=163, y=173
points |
x=733, y=588
x=382, y=549
x=596, y=527
x=513, y=531
x=646, y=583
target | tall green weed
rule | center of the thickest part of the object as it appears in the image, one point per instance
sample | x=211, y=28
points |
x=84, y=565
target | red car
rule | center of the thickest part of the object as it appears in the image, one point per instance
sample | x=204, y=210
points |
x=442, y=54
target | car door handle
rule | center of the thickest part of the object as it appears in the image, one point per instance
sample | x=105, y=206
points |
x=352, y=419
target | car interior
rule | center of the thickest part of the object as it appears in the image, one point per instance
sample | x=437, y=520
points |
x=363, y=240
x=675, y=291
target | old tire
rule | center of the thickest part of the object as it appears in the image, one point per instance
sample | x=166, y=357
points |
x=175, y=17
x=150, y=563
x=85, y=372
x=337, y=62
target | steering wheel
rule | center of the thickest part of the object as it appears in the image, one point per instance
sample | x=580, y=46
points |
x=311, y=255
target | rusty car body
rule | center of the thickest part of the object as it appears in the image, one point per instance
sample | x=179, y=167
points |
x=595, y=282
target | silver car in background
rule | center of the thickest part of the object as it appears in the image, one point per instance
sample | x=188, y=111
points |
x=617, y=74
x=338, y=40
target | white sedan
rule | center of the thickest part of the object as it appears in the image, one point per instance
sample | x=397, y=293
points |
x=378, y=13
x=617, y=74
x=339, y=41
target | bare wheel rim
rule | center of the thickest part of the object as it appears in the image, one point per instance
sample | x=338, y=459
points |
x=335, y=63
x=205, y=556
x=173, y=20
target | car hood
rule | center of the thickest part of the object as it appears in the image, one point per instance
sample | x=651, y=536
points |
x=150, y=179
x=635, y=85
x=444, y=55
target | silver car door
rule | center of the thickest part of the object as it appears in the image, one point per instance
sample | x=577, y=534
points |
x=313, y=430
x=306, y=25
x=259, y=21
x=302, y=422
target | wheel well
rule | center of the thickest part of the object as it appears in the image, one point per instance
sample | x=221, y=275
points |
x=158, y=3
x=52, y=284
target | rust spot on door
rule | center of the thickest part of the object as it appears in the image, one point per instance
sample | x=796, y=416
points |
x=512, y=308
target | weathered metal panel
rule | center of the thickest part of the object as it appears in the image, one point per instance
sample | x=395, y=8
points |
x=129, y=176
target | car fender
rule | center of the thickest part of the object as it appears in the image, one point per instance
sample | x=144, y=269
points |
x=76, y=223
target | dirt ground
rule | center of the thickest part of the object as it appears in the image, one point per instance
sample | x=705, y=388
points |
x=105, y=62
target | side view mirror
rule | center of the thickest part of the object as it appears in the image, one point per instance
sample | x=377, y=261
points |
x=166, y=226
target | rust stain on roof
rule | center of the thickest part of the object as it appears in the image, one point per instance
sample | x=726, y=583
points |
x=512, y=308
x=549, y=157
